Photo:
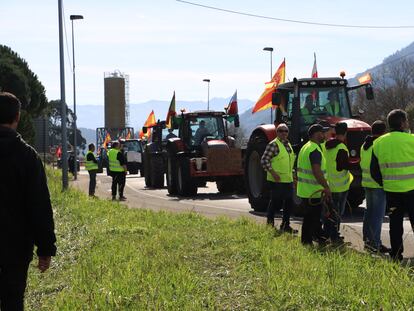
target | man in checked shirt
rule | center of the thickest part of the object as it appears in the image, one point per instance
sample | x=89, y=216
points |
x=277, y=160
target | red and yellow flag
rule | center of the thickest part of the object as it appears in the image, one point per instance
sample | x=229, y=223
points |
x=107, y=140
x=171, y=113
x=265, y=100
x=365, y=79
x=150, y=120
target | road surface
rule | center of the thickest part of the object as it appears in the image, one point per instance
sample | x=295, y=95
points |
x=211, y=204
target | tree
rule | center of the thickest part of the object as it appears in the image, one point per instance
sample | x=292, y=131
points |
x=393, y=88
x=17, y=78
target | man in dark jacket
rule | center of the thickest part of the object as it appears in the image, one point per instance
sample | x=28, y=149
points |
x=26, y=217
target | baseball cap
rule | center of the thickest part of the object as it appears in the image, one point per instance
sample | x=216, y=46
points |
x=325, y=123
x=341, y=128
x=314, y=128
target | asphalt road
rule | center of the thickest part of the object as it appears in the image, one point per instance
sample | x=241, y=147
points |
x=211, y=204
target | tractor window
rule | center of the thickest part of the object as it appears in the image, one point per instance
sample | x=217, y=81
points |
x=166, y=134
x=315, y=103
x=206, y=126
x=132, y=145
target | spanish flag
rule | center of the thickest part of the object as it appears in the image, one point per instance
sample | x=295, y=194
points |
x=150, y=120
x=365, y=79
x=265, y=100
x=171, y=113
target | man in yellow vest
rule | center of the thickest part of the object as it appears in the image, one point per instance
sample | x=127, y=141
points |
x=311, y=169
x=339, y=179
x=392, y=166
x=374, y=194
x=328, y=134
x=332, y=106
x=117, y=167
x=91, y=166
x=278, y=160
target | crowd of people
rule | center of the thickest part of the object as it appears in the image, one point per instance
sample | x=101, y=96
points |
x=323, y=177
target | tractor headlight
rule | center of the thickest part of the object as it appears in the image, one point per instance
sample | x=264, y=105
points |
x=353, y=153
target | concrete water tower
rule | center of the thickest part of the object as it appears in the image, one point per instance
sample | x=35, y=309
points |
x=116, y=100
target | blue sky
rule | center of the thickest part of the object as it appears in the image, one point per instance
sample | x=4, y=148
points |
x=165, y=45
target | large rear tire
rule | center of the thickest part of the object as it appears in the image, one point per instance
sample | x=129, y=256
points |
x=147, y=169
x=185, y=185
x=172, y=175
x=255, y=177
x=157, y=171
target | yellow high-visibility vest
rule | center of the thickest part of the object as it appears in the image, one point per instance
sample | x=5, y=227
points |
x=307, y=183
x=395, y=154
x=90, y=165
x=367, y=181
x=283, y=163
x=114, y=165
x=339, y=181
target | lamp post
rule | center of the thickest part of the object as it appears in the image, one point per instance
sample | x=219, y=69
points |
x=270, y=49
x=208, y=93
x=75, y=130
x=64, y=157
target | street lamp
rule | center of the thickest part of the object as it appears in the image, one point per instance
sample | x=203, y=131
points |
x=75, y=130
x=270, y=49
x=208, y=93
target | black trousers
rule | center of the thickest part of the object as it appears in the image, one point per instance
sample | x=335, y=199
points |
x=12, y=286
x=118, y=181
x=92, y=181
x=281, y=196
x=311, y=226
x=399, y=204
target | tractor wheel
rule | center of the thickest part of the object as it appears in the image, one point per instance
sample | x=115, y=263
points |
x=157, y=171
x=185, y=185
x=147, y=169
x=255, y=176
x=171, y=173
x=225, y=186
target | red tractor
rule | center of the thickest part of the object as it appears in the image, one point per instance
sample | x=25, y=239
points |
x=299, y=104
x=203, y=152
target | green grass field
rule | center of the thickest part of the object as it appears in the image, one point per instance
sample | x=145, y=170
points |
x=114, y=258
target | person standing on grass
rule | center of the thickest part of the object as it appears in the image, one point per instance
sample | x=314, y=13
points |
x=26, y=216
x=339, y=179
x=278, y=160
x=91, y=165
x=392, y=166
x=117, y=167
x=311, y=168
x=374, y=194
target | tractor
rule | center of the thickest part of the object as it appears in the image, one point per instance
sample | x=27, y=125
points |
x=299, y=104
x=203, y=151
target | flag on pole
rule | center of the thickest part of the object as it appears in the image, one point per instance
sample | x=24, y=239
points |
x=150, y=120
x=265, y=100
x=365, y=79
x=171, y=113
x=232, y=108
x=106, y=141
x=314, y=69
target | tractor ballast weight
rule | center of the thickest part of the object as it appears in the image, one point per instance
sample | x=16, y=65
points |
x=289, y=99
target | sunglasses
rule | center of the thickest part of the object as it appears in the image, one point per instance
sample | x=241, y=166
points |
x=283, y=131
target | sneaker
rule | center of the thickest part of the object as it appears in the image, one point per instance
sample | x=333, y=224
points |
x=122, y=198
x=288, y=229
x=113, y=198
x=383, y=249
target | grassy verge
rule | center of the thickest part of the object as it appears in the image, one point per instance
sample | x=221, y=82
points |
x=114, y=258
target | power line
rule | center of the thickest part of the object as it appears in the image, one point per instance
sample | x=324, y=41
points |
x=295, y=21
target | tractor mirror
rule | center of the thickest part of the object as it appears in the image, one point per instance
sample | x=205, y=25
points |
x=144, y=129
x=276, y=99
x=369, y=92
x=236, y=121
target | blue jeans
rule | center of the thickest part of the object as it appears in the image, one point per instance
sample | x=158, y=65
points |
x=332, y=223
x=374, y=215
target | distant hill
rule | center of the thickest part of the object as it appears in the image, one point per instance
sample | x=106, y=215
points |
x=92, y=116
x=89, y=135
